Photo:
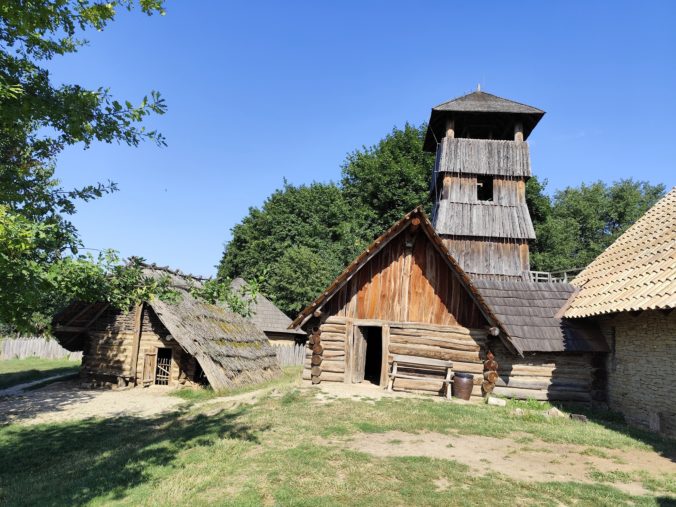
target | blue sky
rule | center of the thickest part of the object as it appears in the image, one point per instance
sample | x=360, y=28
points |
x=261, y=91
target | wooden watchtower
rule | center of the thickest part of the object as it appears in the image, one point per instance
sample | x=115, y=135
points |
x=479, y=182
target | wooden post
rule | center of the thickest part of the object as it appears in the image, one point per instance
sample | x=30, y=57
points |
x=518, y=132
x=450, y=128
x=446, y=189
x=385, y=338
x=136, y=343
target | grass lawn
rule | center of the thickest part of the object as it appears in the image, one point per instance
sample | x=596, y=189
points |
x=19, y=371
x=288, y=448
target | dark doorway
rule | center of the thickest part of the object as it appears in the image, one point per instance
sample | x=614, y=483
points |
x=163, y=371
x=373, y=354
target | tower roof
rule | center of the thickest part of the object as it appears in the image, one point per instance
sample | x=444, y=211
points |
x=479, y=103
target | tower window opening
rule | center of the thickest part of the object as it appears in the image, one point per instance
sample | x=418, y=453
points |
x=484, y=188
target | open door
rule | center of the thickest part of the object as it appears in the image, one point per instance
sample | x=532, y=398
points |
x=149, y=365
x=367, y=354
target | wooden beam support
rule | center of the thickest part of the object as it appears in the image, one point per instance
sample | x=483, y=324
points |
x=136, y=344
x=518, y=132
x=450, y=128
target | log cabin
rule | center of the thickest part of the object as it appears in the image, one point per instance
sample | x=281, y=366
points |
x=183, y=343
x=459, y=287
x=630, y=292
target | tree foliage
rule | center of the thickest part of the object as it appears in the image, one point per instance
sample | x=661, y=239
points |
x=38, y=119
x=581, y=222
x=302, y=237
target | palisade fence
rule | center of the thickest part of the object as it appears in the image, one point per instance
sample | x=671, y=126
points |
x=23, y=347
x=290, y=356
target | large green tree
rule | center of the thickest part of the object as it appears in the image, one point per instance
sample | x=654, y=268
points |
x=38, y=119
x=297, y=242
x=581, y=222
x=302, y=237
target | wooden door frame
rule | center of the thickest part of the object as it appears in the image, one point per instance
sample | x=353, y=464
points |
x=349, y=347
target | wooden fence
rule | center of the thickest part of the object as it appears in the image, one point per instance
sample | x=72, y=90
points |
x=290, y=356
x=21, y=348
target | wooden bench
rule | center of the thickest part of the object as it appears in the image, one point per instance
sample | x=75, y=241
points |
x=420, y=363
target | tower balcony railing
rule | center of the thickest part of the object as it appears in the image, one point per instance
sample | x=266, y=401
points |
x=483, y=156
x=563, y=276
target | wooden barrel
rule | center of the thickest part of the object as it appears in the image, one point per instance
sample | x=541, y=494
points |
x=462, y=385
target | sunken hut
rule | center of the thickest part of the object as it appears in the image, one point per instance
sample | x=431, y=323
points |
x=459, y=288
x=187, y=342
x=630, y=292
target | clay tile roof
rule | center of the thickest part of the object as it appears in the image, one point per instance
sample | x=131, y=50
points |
x=265, y=315
x=637, y=272
x=529, y=311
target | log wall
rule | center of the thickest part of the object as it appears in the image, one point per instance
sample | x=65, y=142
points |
x=109, y=350
x=546, y=376
x=461, y=345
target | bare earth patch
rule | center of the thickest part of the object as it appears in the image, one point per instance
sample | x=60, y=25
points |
x=64, y=401
x=535, y=461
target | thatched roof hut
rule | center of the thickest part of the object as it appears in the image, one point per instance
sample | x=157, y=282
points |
x=178, y=342
x=270, y=319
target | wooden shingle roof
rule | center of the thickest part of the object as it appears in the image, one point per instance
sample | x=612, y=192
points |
x=528, y=312
x=637, y=272
x=483, y=219
x=265, y=315
x=482, y=102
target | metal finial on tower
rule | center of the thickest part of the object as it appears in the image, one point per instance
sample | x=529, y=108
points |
x=478, y=87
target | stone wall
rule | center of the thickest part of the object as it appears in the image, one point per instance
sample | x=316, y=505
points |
x=640, y=368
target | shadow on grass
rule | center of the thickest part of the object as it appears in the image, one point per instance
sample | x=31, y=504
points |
x=664, y=446
x=74, y=463
x=15, y=378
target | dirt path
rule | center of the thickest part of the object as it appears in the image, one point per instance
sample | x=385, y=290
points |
x=529, y=461
x=63, y=401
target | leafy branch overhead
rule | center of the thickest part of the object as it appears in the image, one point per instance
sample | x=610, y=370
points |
x=39, y=118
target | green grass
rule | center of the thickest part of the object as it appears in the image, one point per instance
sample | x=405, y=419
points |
x=273, y=452
x=19, y=371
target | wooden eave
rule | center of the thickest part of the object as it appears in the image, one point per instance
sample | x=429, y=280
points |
x=377, y=245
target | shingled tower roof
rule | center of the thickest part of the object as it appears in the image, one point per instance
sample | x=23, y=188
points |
x=479, y=103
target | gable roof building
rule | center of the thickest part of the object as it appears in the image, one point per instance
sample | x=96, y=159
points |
x=193, y=338
x=637, y=272
x=630, y=292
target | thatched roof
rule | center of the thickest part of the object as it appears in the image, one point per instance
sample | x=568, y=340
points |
x=528, y=312
x=637, y=272
x=483, y=219
x=266, y=315
x=230, y=349
x=480, y=104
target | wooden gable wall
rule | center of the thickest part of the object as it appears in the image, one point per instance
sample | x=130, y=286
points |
x=407, y=284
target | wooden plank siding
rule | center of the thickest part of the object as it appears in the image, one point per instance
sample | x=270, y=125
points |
x=491, y=256
x=400, y=286
x=409, y=291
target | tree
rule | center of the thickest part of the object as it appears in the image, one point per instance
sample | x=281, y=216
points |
x=386, y=181
x=583, y=221
x=38, y=119
x=308, y=218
